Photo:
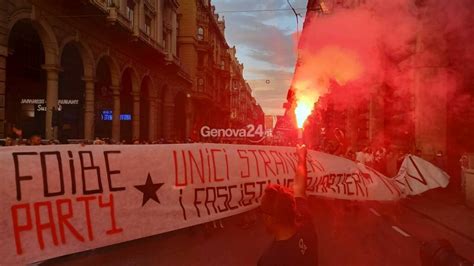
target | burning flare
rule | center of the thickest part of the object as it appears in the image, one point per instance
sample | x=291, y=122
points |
x=302, y=111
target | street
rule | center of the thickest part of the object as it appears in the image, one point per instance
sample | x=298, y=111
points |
x=349, y=234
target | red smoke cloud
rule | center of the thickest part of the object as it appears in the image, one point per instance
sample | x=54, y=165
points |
x=382, y=42
x=417, y=55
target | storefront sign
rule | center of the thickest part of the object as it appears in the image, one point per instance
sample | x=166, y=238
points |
x=107, y=115
x=58, y=200
x=41, y=103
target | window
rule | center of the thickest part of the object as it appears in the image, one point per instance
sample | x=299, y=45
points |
x=148, y=25
x=130, y=11
x=200, y=34
x=166, y=39
x=200, y=59
x=200, y=84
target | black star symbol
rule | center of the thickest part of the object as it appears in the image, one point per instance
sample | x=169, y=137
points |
x=149, y=190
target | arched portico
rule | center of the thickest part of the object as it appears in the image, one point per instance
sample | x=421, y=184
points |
x=107, y=112
x=33, y=55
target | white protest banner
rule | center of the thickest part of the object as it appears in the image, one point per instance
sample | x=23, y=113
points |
x=340, y=177
x=417, y=176
x=58, y=200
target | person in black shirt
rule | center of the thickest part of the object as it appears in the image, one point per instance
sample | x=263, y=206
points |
x=286, y=216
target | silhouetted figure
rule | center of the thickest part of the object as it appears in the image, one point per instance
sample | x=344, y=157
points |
x=286, y=216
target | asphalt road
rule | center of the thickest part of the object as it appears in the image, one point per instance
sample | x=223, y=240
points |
x=378, y=234
x=349, y=234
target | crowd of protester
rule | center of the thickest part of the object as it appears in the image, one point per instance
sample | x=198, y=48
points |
x=36, y=139
x=383, y=159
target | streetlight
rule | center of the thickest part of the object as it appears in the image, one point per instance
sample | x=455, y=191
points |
x=297, y=15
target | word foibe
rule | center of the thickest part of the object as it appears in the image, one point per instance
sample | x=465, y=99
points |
x=88, y=169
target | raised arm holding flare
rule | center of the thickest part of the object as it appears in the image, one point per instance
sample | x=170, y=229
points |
x=286, y=216
x=299, y=186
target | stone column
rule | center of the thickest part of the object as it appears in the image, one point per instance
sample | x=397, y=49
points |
x=3, y=73
x=152, y=118
x=116, y=113
x=159, y=118
x=174, y=33
x=136, y=20
x=89, y=85
x=168, y=116
x=189, y=116
x=136, y=115
x=159, y=22
x=52, y=76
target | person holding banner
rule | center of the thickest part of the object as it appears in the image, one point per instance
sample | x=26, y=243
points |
x=286, y=216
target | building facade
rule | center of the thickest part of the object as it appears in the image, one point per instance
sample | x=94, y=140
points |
x=219, y=96
x=119, y=69
x=244, y=108
x=203, y=48
x=85, y=69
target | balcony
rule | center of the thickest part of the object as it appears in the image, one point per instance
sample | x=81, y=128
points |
x=201, y=96
x=221, y=70
x=202, y=93
x=102, y=4
x=118, y=20
x=149, y=40
x=150, y=5
x=204, y=45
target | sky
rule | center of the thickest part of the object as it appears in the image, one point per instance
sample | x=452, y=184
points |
x=265, y=42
